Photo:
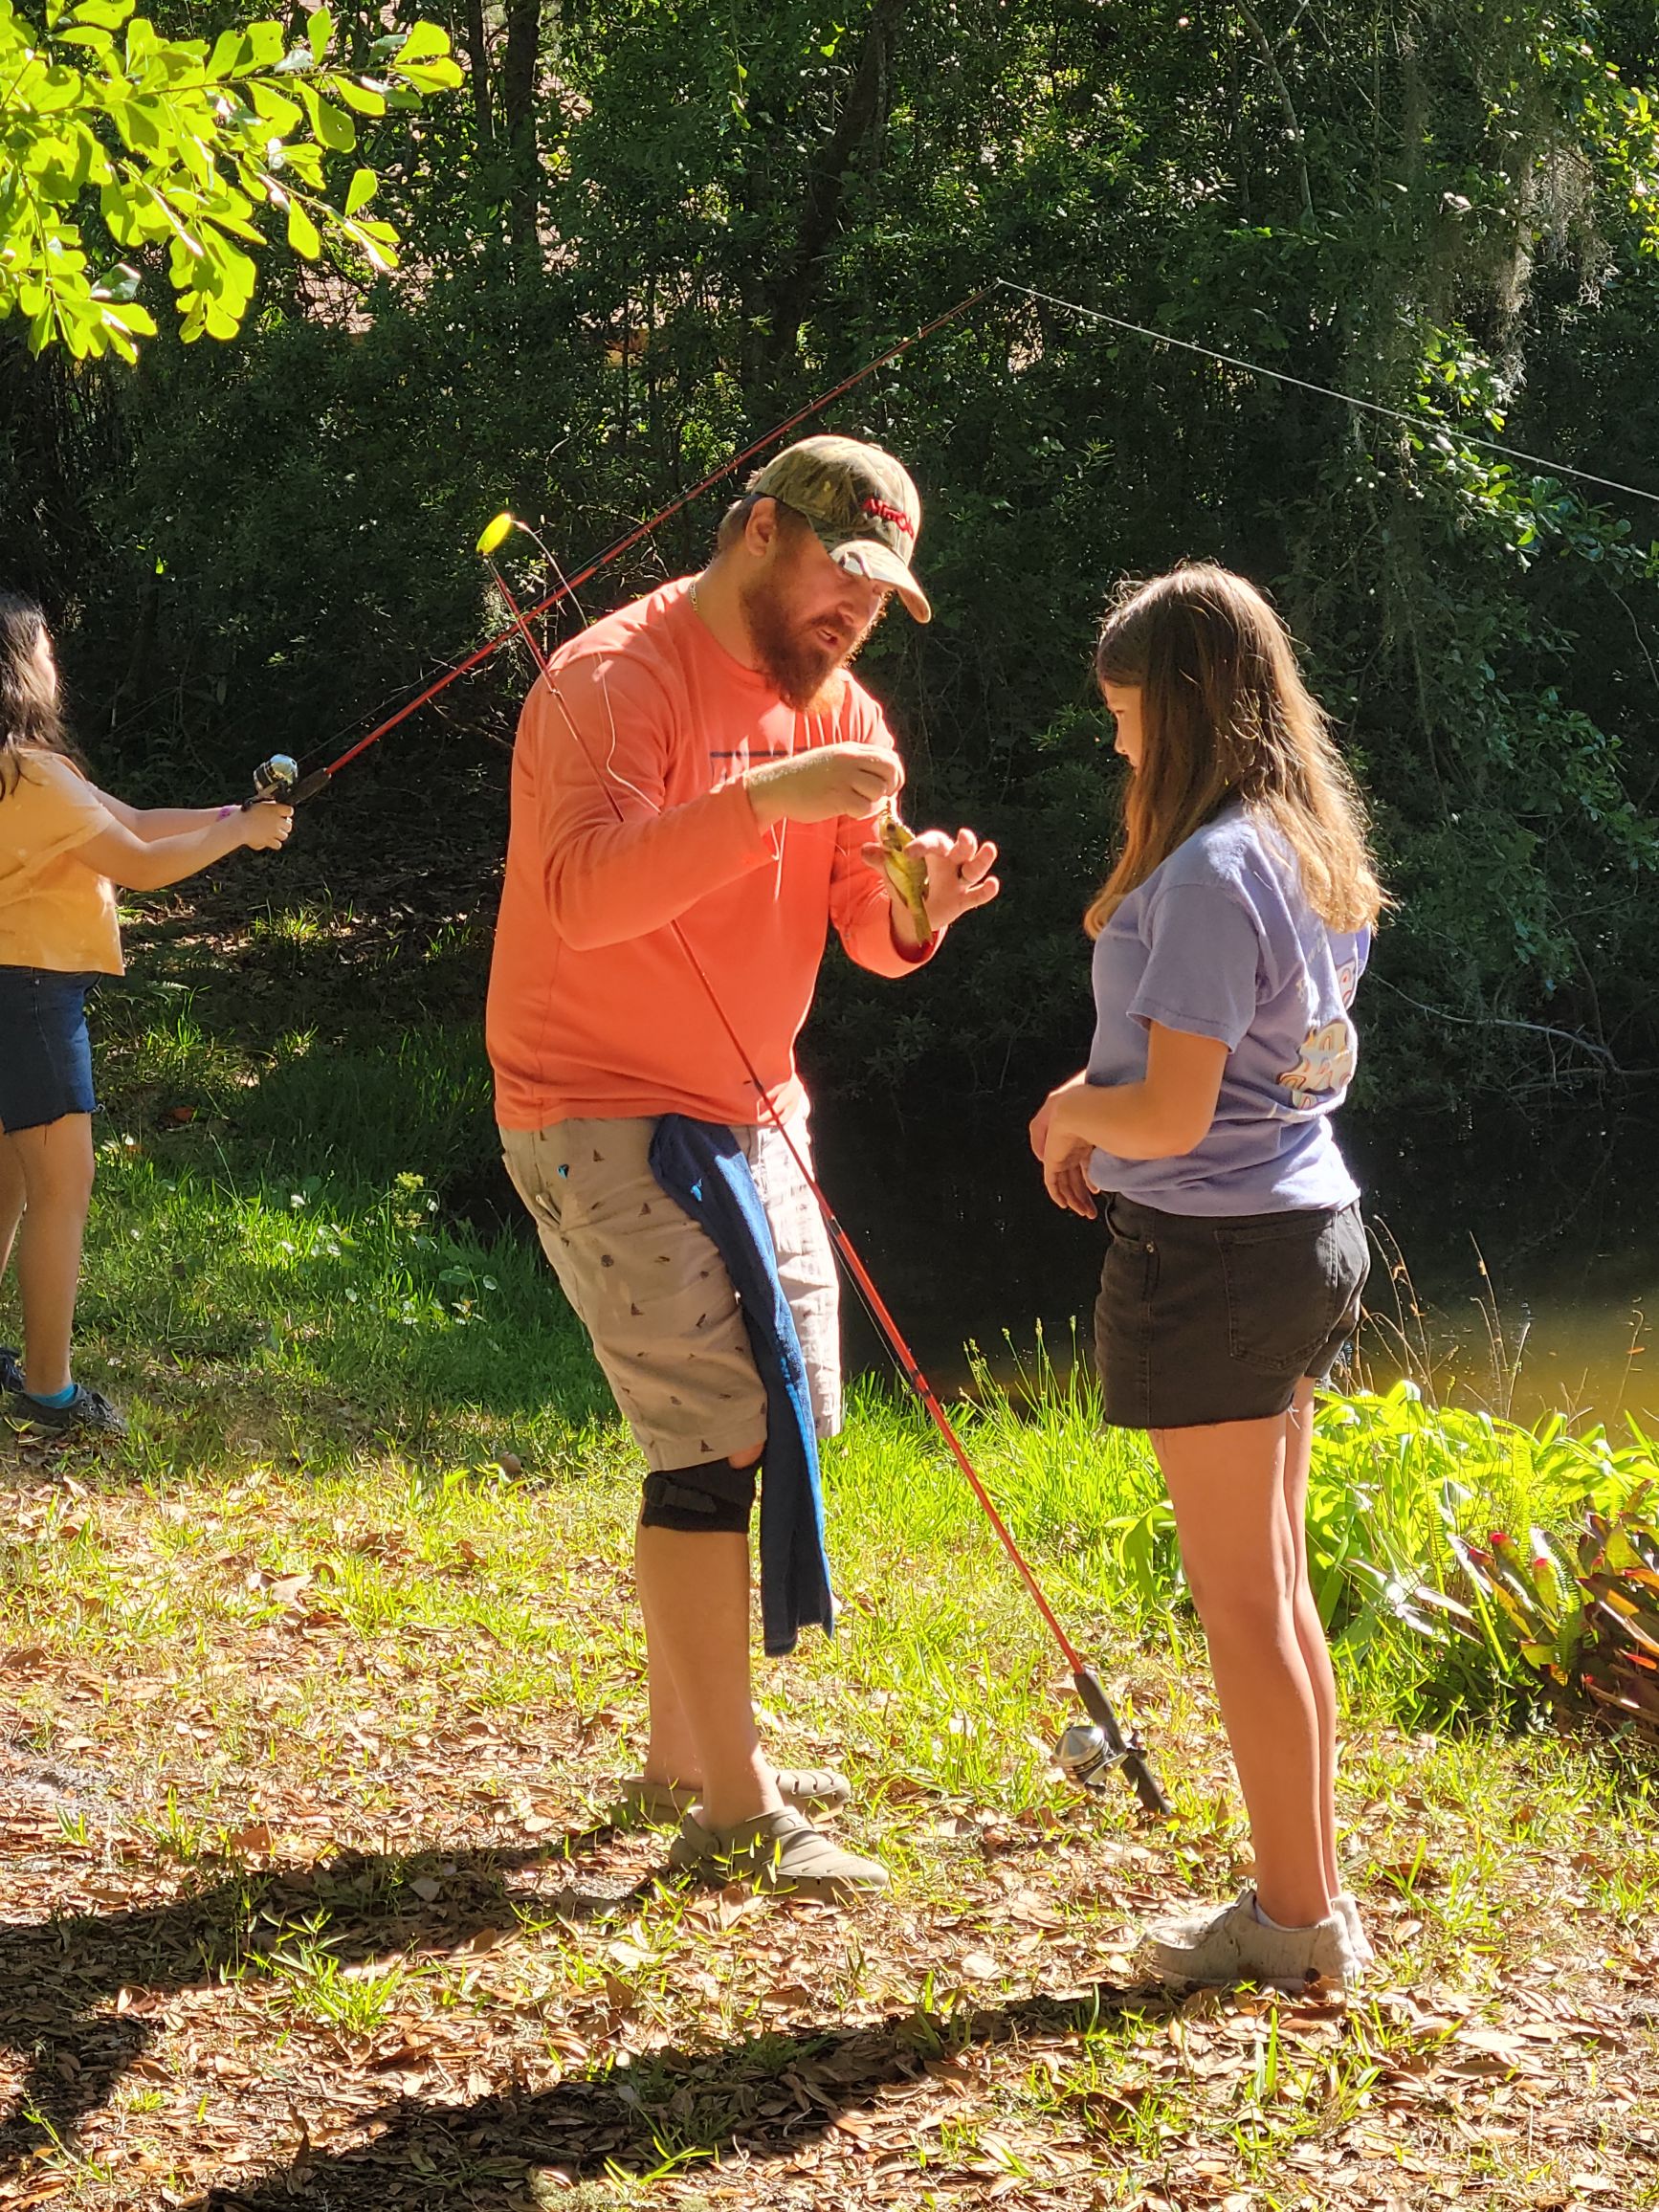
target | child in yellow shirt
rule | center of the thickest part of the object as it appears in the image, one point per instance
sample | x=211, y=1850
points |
x=64, y=845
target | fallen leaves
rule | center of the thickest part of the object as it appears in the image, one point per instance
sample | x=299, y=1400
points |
x=322, y=1900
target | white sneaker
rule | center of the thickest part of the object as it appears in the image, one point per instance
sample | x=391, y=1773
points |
x=1235, y=1945
x=1358, y=1942
x=1183, y=1927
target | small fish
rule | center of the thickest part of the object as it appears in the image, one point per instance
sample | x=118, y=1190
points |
x=906, y=871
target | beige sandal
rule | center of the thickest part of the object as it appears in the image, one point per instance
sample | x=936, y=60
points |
x=658, y=1804
x=780, y=1852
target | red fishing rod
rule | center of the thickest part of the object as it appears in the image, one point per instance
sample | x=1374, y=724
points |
x=1083, y=1753
x=281, y=778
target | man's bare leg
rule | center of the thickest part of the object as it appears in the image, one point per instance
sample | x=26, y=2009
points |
x=671, y=1757
x=695, y=1591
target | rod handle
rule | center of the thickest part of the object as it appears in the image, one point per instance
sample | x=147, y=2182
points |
x=282, y=793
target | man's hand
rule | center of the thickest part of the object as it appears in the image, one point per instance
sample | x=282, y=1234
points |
x=824, y=784
x=959, y=877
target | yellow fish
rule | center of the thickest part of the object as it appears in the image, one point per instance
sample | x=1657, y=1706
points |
x=905, y=869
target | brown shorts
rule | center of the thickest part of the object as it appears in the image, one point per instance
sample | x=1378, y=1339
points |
x=1206, y=1318
x=653, y=1294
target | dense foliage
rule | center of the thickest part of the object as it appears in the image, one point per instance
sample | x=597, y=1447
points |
x=180, y=145
x=643, y=231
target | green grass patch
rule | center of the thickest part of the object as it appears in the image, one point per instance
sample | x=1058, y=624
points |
x=318, y=1685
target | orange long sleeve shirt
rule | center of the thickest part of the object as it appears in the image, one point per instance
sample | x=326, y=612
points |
x=628, y=813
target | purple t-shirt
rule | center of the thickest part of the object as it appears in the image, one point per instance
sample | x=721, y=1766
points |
x=1220, y=942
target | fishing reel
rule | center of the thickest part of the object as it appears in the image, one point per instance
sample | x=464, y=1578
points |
x=278, y=779
x=1086, y=1755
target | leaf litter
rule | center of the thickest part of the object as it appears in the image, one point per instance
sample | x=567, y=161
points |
x=291, y=1917
x=308, y=1896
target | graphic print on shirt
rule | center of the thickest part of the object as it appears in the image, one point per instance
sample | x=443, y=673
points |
x=1330, y=1053
x=728, y=764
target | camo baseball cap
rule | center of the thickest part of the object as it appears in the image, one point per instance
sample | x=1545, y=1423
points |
x=860, y=502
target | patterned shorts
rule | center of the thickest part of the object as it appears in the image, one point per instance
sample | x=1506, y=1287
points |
x=652, y=1291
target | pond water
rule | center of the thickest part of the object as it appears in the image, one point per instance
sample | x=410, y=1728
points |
x=1516, y=1265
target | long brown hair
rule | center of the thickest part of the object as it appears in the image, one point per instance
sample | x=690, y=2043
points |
x=1225, y=718
x=30, y=713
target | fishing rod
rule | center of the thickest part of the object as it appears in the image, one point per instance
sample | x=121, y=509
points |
x=298, y=788
x=1083, y=1753
x=287, y=782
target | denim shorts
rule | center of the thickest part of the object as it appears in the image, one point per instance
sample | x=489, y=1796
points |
x=1205, y=1318
x=45, y=1052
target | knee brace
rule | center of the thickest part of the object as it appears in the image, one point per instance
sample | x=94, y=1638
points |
x=713, y=1497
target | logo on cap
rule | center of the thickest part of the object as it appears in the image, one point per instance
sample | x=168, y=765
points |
x=888, y=513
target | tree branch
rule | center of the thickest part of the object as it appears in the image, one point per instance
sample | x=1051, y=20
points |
x=1297, y=142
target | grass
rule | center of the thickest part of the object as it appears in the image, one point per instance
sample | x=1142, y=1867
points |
x=315, y=1689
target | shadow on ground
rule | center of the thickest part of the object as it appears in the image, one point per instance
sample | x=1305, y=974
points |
x=768, y=2098
x=58, y=1977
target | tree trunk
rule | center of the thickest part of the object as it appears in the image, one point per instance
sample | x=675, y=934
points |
x=855, y=142
x=519, y=117
x=478, y=69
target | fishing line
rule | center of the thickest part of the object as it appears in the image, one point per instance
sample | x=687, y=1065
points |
x=1375, y=406
x=1124, y=1752
x=317, y=778
x=1084, y=1759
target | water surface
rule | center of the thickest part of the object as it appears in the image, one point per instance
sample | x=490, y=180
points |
x=1517, y=1262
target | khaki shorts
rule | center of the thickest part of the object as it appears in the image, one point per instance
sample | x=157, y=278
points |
x=652, y=1291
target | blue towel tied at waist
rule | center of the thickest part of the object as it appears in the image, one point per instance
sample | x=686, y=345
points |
x=704, y=1169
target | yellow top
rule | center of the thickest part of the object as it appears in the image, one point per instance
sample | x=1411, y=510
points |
x=55, y=910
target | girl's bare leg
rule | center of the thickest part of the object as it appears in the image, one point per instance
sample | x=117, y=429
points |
x=11, y=1199
x=57, y=1163
x=1309, y=1629
x=1227, y=1486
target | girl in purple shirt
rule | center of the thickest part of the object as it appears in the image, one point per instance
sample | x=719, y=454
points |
x=1228, y=942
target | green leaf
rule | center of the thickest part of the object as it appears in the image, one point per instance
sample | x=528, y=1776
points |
x=303, y=231
x=353, y=92
x=264, y=46
x=363, y=187
x=426, y=42
x=275, y=108
x=336, y=131
x=319, y=29
x=432, y=76
x=226, y=54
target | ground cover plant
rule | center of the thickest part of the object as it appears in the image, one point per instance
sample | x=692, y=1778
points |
x=313, y=1690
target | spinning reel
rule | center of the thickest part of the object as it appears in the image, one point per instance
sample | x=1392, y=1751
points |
x=278, y=779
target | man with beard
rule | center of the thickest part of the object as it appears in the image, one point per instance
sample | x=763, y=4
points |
x=703, y=757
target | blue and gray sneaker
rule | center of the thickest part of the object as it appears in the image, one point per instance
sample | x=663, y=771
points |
x=88, y=1410
x=10, y=1368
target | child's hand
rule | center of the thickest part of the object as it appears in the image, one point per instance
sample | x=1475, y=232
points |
x=266, y=826
x=1066, y=1176
x=1045, y=1114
